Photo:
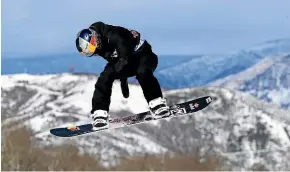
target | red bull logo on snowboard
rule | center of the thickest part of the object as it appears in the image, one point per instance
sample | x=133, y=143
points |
x=73, y=128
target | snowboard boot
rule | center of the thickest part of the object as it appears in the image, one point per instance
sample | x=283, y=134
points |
x=124, y=87
x=101, y=119
x=158, y=108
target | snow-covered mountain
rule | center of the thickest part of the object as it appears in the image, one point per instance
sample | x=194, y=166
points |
x=268, y=80
x=272, y=47
x=173, y=71
x=63, y=63
x=245, y=131
x=205, y=69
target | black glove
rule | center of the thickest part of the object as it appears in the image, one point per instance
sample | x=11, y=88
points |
x=120, y=64
x=124, y=87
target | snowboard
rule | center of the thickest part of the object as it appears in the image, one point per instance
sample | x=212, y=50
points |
x=176, y=110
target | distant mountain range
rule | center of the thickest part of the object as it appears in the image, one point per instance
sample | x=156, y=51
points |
x=205, y=69
x=268, y=80
x=63, y=63
x=174, y=71
x=261, y=70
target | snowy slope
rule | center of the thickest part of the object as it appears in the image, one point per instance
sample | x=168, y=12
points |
x=268, y=80
x=202, y=70
x=237, y=126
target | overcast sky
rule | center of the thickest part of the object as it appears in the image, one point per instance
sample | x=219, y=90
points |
x=41, y=27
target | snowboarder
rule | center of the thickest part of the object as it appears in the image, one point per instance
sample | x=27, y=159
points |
x=127, y=55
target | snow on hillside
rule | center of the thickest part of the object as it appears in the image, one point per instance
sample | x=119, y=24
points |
x=268, y=80
x=234, y=81
x=73, y=90
x=273, y=47
x=58, y=100
x=237, y=126
x=201, y=70
x=205, y=69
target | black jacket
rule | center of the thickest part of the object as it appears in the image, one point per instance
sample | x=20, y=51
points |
x=118, y=43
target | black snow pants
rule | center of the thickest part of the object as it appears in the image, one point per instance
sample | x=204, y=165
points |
x=142, y=65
